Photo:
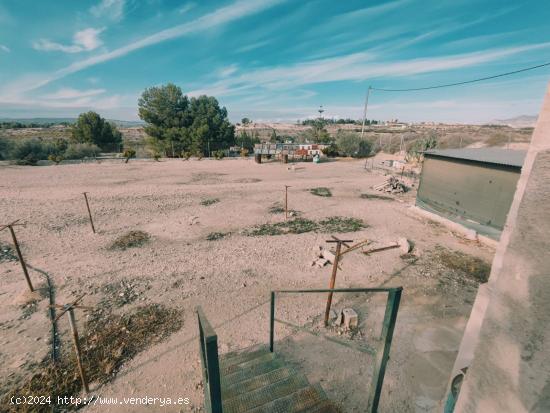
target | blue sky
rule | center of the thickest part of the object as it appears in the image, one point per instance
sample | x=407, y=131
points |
x=275, y=60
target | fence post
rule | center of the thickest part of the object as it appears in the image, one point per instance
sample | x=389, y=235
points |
x=390, y=317
x=272, y=322
x=213, y=367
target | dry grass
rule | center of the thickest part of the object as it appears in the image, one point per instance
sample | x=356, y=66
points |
x=130, y=240
x=209, y=201
x=375, y=196
x=107, y=343
x=214, y=236
x=302, y=225
x=321, y=191
x=472, y=267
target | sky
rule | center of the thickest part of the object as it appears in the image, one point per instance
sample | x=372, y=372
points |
x=276, y=60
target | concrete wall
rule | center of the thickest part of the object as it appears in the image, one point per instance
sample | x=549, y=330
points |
x=510, y=370
x=475, y=191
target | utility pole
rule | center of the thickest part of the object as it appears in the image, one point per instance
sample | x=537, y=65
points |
x=365, y=111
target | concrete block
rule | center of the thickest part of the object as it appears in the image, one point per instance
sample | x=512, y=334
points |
x=327, y=255
x=404, y=245
x=351, y=319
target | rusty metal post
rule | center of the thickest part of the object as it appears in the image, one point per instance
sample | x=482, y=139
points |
x=21, y=260
x=333, y=279
x=89, y=212
x=72, y=321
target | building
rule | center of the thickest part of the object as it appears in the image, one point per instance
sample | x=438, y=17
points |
x=473, y=187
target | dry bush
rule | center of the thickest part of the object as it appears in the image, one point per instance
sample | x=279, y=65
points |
x=209, y=201
x=107, y=343
x=303, y=225
x=473, y=267
x=130, y=240
x=321, y=191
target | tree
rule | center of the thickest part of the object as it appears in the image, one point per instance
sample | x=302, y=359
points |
x=351, y=144
x=93, y=129
x=196, y=125
x=245, y=121
x=244, y=140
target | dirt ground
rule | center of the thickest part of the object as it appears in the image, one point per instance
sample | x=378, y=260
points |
x=230, y=276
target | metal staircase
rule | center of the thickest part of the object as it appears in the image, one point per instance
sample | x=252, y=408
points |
x=257, y=380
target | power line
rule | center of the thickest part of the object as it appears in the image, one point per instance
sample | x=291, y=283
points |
x=462, y=83
x=442, y=86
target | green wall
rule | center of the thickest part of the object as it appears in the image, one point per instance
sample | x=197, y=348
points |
x=473, y=191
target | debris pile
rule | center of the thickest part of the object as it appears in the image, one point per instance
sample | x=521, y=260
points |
x=322, y=257
x=392, y=185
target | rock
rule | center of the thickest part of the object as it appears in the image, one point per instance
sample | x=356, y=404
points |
x=404, y=245
x=327, y=255
x=351, y=319
x=321, y=262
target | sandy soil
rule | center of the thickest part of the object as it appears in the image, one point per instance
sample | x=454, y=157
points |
x=230, y=278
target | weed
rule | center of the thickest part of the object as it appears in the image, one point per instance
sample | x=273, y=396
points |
x=471, y=266
x=209, y=201
x=303, y=225
x=375, y=196
x=107, y=343
x=130, y=239
x=214, y=236
x=321, y=191
x=341, y=224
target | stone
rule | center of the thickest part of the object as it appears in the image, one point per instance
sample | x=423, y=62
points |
x=351, y=319
x=404, y=245
x=327, y=255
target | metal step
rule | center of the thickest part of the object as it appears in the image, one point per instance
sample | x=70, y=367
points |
x=266, y=394
x=299, y=401
x=234, y=368
x=240, y=355
x=252, y=370
x=234, y=389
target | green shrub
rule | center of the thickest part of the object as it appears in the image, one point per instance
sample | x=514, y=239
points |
x=129, y=153
x=30, y=151
x=81, y=151
x=219, y=154
x=5, y=148
x=321, y=191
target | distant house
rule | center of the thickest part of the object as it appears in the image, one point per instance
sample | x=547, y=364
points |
x=473, y=187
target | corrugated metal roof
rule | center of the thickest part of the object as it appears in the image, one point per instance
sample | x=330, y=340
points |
x=487, y=155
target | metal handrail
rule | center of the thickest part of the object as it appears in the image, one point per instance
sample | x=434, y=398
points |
x=388, y=326
x=210, y=364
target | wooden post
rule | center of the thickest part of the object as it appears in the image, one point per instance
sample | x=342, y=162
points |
x=77, y=349
x=21, y=260
x=339, y=243
x=89, y=212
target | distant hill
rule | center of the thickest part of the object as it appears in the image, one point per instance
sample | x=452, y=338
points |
x=524, y=121
x=54, y=121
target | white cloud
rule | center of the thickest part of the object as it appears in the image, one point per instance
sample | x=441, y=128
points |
x=186, y=8
x=229, y=70
x=68, y=93
x=223, y=15
x=111, y=9
x=83, y=41
x=5, y=48
x=356, y=67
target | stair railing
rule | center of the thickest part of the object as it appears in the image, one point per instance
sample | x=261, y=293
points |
x=210, y=365
x=388, y=326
